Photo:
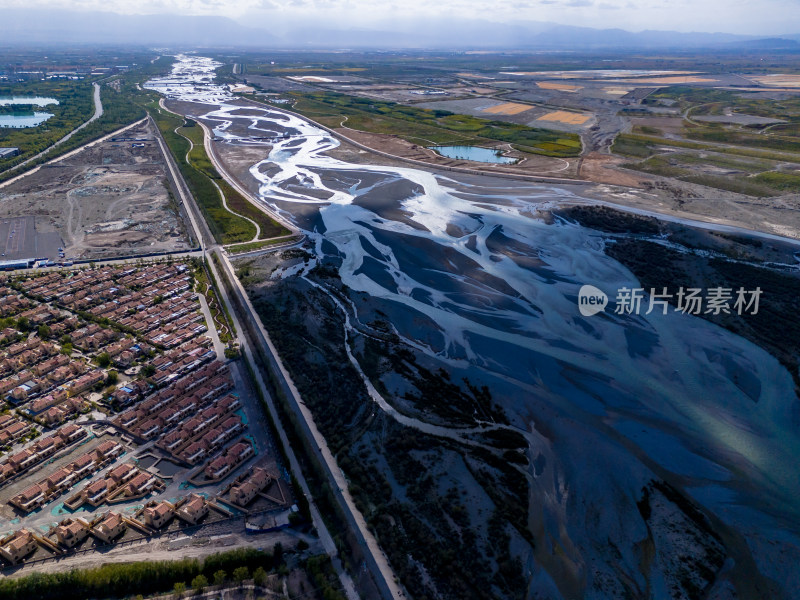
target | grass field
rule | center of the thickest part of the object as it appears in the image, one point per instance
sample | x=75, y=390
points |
x=751, y=178
x=236, y=202
x=226, y=227
x=431, y=127
x=250, y=247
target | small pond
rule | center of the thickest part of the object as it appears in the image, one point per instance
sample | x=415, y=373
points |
x=476, y=153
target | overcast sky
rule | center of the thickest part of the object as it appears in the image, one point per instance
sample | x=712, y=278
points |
x=734, y=16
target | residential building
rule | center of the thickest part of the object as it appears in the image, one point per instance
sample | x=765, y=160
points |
x=71, y=532
x=111, y=526
x=158, y=515
x=17, y=546
x=194, y=509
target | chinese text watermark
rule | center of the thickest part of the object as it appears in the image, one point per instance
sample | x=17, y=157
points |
x=691, y=301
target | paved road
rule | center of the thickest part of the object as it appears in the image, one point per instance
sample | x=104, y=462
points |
x=212, y=332
x=239, y=187
x=202, y=233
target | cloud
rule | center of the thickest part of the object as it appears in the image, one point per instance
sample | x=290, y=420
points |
x=766, y=17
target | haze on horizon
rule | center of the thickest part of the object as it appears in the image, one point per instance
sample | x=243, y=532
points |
x=765, y=18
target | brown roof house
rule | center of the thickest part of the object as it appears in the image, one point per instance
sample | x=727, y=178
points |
x=17, y=546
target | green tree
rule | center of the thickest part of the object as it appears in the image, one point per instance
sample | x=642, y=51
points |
x=219, y=577
x=112, y=378
x=240, y=574
x=103, y=359
x=260, y=576
x=148, y=370
x=179, y=588
x=199, y=583
x=23, y=323
x=66, y=348
x=44, y=331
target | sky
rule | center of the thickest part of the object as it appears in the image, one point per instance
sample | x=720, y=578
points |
x=758, y=17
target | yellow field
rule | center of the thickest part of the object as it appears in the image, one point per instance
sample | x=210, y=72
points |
x=508, y=108
x=613, y=91
x=563, y=116
x=789, y=81
x=562, y=87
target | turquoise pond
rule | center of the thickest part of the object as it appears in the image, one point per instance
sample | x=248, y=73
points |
x=476, y=153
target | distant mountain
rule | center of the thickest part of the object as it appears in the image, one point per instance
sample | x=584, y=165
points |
x=464, y=33
x=788, y=43
x=62, y=26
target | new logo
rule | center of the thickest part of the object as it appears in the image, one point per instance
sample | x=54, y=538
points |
x=591, y=300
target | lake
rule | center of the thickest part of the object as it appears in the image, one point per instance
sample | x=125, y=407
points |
x=22, y=120
x=39, y=101
x=476, y=153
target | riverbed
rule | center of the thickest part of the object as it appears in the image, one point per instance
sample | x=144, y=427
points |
x=470, y=272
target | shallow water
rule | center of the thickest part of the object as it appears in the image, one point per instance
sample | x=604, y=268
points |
x=20, y=121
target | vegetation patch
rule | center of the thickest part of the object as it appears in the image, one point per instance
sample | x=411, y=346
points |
x=145, y=578
x=252, y=246
x=225, y=226
x=198, y=156
x=789, y=182
x=123, y=101
x=426, y=126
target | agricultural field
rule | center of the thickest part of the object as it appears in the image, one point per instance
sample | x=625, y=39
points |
x=431, y=127
x=724, y=126
x=723, y=139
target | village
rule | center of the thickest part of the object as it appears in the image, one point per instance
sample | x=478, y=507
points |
x=126, y=413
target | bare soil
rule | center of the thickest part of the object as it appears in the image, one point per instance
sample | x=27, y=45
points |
x=602, y=168
x=109, y=200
